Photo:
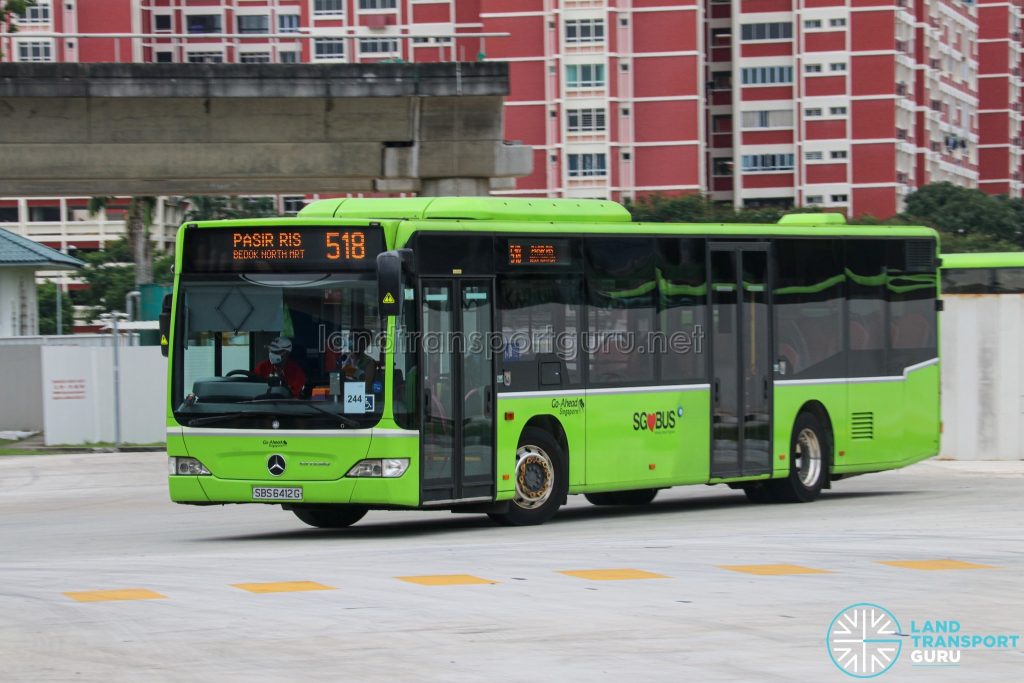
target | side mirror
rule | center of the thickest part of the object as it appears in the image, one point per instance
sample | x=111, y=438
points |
x=165, y=324
x=390, y=265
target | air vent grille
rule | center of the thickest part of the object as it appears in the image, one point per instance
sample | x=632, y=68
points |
x=862, y=425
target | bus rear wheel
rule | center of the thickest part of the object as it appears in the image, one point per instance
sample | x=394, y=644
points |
x=637, y=497
x=810, y=452
x=330, y=516
x=542, y=480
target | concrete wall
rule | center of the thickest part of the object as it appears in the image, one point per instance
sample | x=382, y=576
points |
x=983, y=377
x=18, y=307
x=158, y=129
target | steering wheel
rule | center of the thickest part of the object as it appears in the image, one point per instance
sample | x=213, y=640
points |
x=248, y=374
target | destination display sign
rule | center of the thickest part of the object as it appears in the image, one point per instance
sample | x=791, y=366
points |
x=282, y=249
x=539, y=252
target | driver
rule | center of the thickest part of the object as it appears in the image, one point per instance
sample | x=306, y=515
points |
x=280, y=364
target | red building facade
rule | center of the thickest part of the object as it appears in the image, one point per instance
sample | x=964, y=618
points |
x=844, y=104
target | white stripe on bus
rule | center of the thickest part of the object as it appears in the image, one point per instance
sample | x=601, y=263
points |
x=858, y=380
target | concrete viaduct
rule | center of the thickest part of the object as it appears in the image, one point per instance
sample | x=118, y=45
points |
x=187, y=129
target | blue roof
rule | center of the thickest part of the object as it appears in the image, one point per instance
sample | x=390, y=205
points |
x=16, y=250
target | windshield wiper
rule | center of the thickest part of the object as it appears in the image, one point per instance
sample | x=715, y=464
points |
x=217, y=418
x=344, y=419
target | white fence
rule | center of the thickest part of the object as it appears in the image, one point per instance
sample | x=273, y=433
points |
x=983, y=377
x=68, y=393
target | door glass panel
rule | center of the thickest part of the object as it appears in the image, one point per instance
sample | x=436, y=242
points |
x=438, y=440
x=725, y=431
x=477, y=378
x=754, y=365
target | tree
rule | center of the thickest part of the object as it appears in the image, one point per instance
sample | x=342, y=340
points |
x=215, y=208
x=968, y=219
x=46, y=298
x=109, y=278
x=137, y=222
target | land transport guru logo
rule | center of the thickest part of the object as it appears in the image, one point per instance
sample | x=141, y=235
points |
x=865, y=640
x=656, y=421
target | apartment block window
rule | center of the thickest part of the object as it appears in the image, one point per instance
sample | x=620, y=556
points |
x=376, y=46
x=288, y=57
x=587, y=165
x=585, y=120
x=162, y=23
x=377, y=4
x=253, y=23
x=254, y=58
x=203, y=23
x=814, y=111
x=782, y=30
x=837, y=111
x=767, y=162
x=812, y=68
x=584, y=31
x=287, y=23
x=837, y=66
x=812, y=23
x=768, y=118
x=837, y=23
x=292, y=205
x=813, y=156
x=584, y=76
x=164, y=57
x=814, y=199
x=206, y=58
x=35, y=51
x=329, y=48
x=839, y=198
x=36, y=14
x=841, y=154
x=766, y=75
x=325, y=7
x=721, y=80
x=721, y=166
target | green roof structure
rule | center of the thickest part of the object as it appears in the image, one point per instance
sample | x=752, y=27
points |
x=16, y=250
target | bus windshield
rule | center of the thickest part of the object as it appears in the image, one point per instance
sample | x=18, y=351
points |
x=299, y=351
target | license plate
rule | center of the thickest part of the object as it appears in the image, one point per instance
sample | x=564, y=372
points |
x=277, y=493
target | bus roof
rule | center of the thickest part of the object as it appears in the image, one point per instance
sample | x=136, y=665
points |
x=471, y=208
x=995, y=259
x=507, y=214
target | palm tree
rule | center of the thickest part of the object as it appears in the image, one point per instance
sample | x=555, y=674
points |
x=137, y=221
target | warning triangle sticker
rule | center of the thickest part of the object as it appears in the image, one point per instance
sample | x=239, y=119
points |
x=388, y=299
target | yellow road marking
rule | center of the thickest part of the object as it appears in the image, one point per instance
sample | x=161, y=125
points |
x=773, y=569
x=120, y=594
x=283, y=587
x=934, y=564
x=612, y=574
x=445, y=580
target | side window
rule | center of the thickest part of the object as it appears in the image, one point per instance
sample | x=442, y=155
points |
x=912, y=337
x=622, y=322
x=967, y=280
x=540, y=328
x=1009, y=280
x=682, y=309
x=866, y=310
x=809, y=320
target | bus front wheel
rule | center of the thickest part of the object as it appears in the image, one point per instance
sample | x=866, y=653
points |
x=542, y=480
x=810, y=452
x=330, y=516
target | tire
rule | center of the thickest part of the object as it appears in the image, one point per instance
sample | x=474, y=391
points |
x=542, y=480
x=330, y=516
x=810, y=448
x=760, y=493
x=636, y=497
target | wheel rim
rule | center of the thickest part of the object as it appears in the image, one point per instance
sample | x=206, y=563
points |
x=808, y=457
x=535, y=477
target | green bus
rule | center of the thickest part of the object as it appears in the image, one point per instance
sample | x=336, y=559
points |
x=496, y=355
x=983, y=273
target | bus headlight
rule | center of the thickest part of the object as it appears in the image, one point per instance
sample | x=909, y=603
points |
x=185, y=466
x=388, y=467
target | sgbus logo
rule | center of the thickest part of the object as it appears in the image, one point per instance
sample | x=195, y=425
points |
x=654, y=422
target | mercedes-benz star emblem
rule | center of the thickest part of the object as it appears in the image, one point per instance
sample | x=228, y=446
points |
x=276, y=465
